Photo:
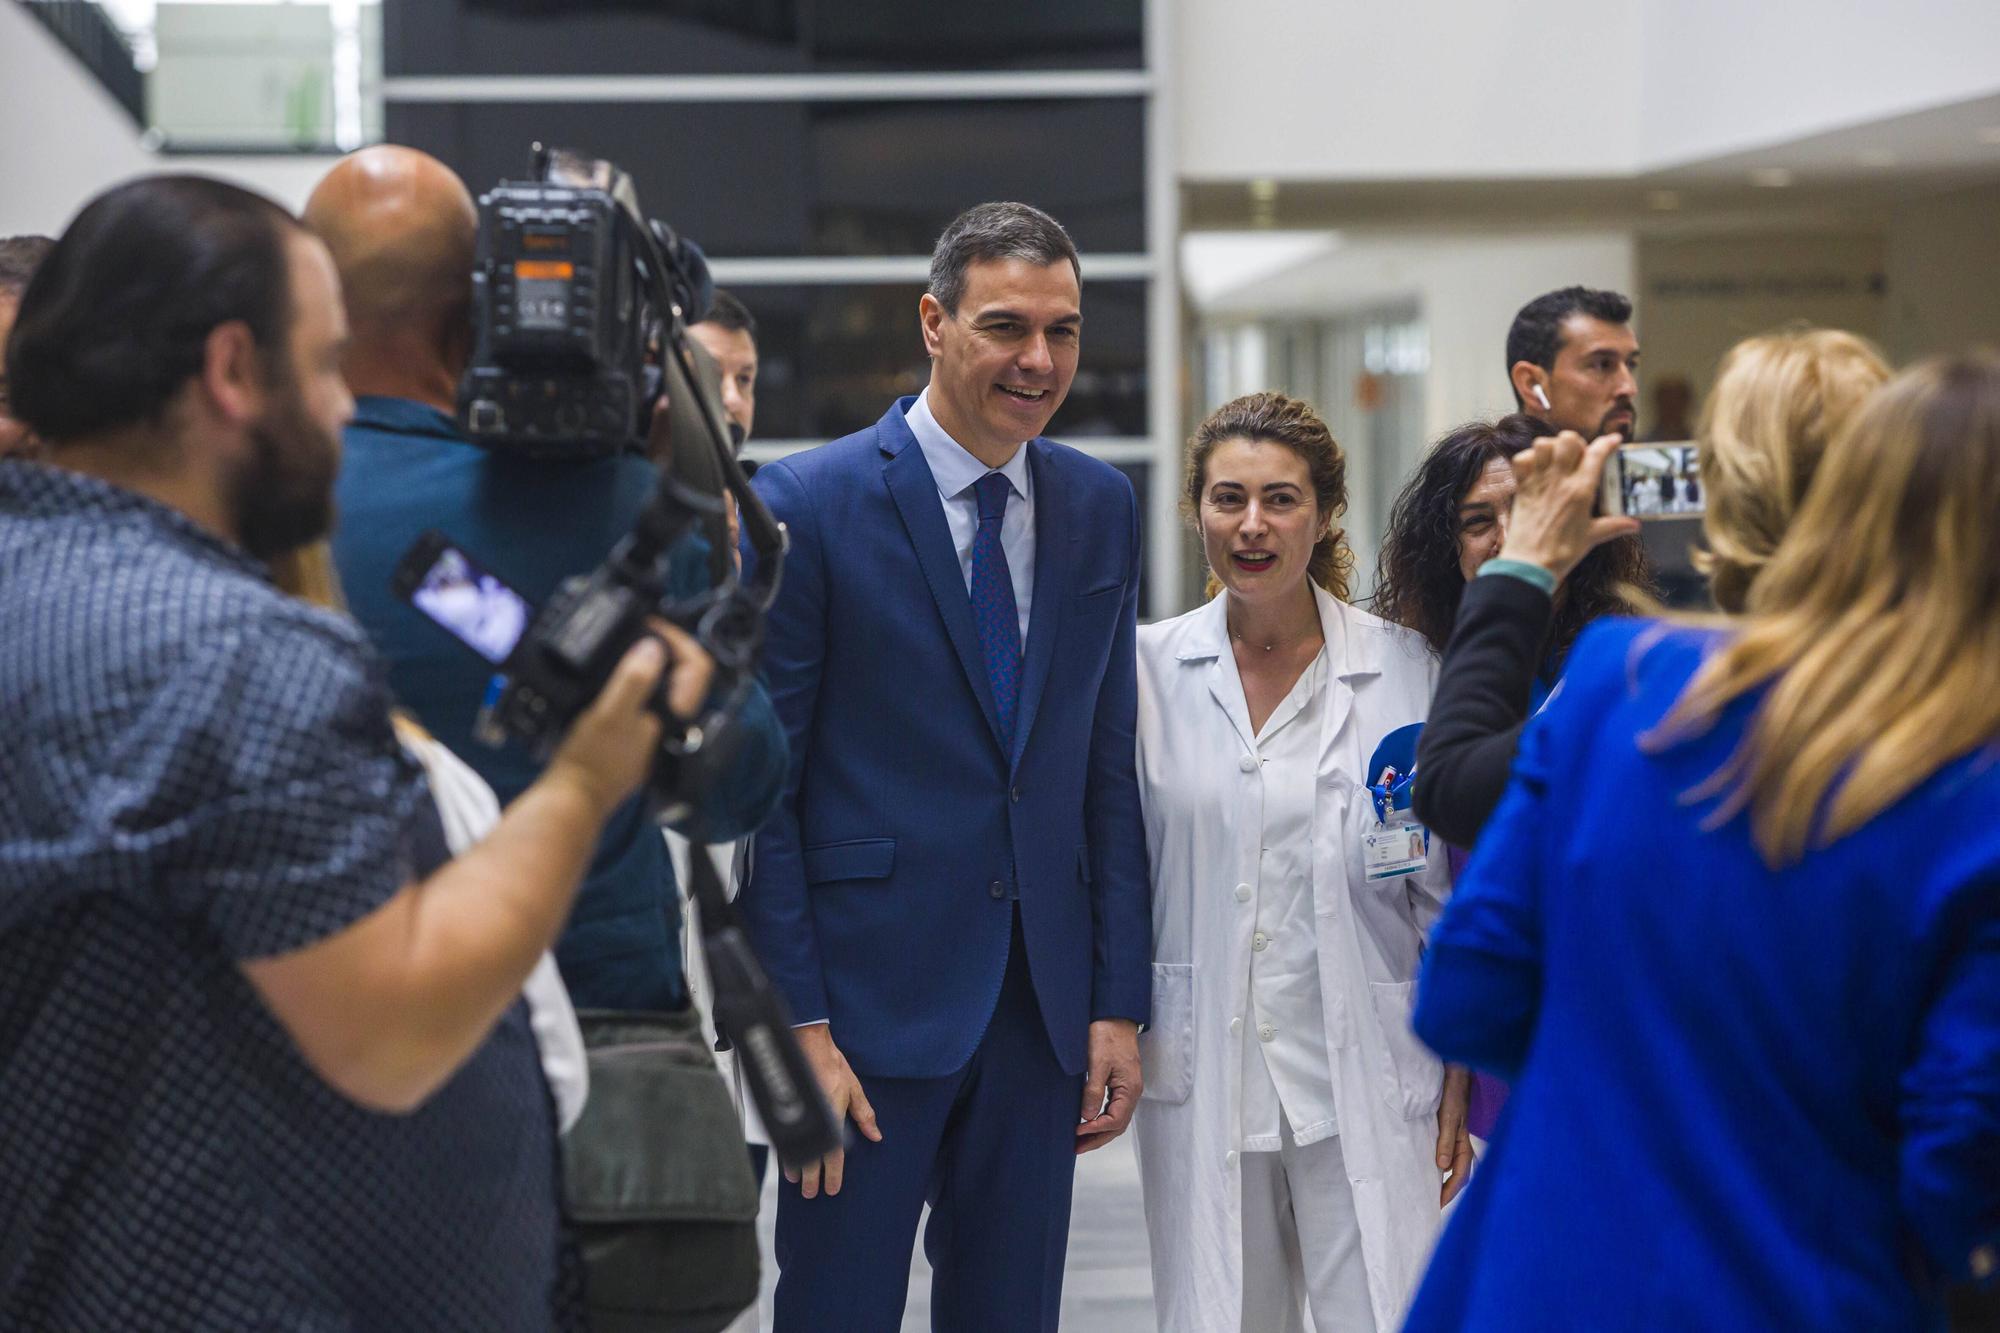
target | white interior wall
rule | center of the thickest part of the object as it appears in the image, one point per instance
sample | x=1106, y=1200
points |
x=62, y=138
x=1338, y=89
x=1721, y=76
x=1496, y=89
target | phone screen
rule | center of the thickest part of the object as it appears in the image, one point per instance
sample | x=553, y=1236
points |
x=1654, y=481
x=484, y=613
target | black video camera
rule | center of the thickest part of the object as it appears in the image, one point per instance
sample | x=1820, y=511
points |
x=571, y=312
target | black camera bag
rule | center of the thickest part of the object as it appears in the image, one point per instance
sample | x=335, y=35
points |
x=658, y=1180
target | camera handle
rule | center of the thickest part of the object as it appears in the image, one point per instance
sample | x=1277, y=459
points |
x=752, y=1016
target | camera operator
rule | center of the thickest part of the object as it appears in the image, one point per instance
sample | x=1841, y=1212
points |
x=263, y=1061
x=402, y=228
x=19, y=256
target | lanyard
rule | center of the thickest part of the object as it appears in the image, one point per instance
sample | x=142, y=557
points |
x=1392, y=793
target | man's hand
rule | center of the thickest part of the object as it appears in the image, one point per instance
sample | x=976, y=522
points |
x=1552, y=524
x=1111, y=1088
x=1454, y=1146
x=843, y=1093
x=611, y=746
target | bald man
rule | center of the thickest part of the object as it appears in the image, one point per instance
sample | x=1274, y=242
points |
x=401, y=228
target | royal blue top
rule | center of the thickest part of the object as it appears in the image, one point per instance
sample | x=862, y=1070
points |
x=1741, y=1098
x=533, y=523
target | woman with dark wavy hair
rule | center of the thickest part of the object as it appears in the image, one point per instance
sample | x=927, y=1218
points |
x=1503, y=620
x=1453, y=517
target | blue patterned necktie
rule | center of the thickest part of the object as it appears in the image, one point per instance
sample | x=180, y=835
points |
x=993, y=608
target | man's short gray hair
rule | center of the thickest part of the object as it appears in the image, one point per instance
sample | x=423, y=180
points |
x=987, y=232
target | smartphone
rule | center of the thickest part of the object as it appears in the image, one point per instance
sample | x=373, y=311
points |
x=446, y=584
x=1653, y=481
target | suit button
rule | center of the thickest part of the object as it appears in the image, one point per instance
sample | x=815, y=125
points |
x=1248, y=763
x=1014, y=795
x=1242, y=893
x=997, y=889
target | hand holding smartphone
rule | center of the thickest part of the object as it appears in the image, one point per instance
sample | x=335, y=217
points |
x=1652, y=481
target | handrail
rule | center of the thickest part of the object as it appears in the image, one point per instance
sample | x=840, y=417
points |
x=91, y=36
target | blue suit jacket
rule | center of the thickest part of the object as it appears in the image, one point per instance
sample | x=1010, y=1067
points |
x=1743, y=1099
x=881, y=892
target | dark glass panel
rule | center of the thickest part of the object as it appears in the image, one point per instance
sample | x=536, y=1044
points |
x=756, y=36
x=823, y=178
x=834, y=357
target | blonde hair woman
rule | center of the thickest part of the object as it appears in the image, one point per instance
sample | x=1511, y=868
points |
x=1735, y=930
x=1293, y=1134
x=1777, y=401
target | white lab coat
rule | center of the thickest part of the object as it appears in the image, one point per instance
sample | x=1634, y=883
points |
x=1203, y=821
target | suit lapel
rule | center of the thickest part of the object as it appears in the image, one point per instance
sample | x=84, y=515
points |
x=915, y=492
x=1053, y=535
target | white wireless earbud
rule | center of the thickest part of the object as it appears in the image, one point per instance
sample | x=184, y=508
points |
x=1541, y=398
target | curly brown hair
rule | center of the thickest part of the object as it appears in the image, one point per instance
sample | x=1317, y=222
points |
x=1418, y=584
x=1277, y=419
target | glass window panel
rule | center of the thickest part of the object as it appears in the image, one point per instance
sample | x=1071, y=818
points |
x=832, y=359
x=823, y=178
x=758, y=36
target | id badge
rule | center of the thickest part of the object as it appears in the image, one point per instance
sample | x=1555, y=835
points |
x=1395, y=849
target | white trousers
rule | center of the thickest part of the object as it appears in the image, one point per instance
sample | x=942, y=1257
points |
x=1301, y=1243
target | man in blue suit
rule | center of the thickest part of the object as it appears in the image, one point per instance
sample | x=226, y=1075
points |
x=953, y=891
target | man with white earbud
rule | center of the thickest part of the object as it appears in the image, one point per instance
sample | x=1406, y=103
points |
x=1573, y=361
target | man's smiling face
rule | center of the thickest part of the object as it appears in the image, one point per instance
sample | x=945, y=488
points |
x=1001, y=366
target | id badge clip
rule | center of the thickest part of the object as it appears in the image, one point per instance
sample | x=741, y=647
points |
x=1398, y=844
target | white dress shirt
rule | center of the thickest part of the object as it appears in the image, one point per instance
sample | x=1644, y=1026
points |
x=955, y=470
x=1285, y=1064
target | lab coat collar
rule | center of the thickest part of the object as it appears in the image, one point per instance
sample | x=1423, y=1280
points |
x=1349, y=655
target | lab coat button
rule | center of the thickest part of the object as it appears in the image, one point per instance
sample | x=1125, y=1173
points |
x=1265, y=1032
x=1235, y=1027
x=1229, y=1158
x=1248, y=763
x=1260, y=941
x=1242, y=893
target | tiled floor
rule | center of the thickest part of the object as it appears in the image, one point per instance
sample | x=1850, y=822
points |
x=1109, y=1287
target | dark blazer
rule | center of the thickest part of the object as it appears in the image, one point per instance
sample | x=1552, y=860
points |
x=1742, y=1098
x=882, y=892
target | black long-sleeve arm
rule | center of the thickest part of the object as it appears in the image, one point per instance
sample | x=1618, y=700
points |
x=1484, y=686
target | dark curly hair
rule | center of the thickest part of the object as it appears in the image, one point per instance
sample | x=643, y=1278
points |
x=1417, y=580
x=1280, y=420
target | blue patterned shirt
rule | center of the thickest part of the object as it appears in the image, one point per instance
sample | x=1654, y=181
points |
x=196, y=770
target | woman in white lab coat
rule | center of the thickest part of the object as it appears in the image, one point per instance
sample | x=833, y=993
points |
x=1293, y=1139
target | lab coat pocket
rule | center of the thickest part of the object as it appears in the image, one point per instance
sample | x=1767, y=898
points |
x=1166, y=1047
x=1412, y=1079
